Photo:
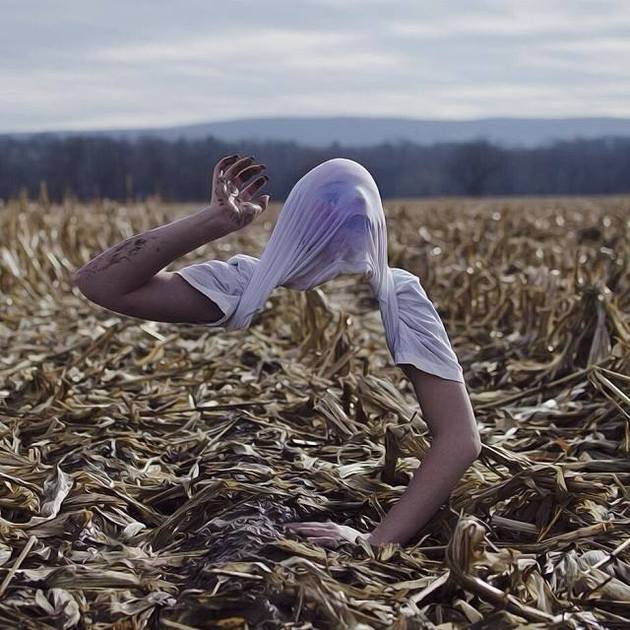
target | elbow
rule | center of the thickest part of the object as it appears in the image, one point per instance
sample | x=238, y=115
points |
x=77, y=279
x=465, y=448
x=94, y=291
x=81, y=282
x=475, y=447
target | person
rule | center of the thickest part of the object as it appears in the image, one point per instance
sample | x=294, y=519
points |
x=332, y=222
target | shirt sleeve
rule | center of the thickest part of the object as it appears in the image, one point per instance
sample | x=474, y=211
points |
x=222, y=281
x=422, y=338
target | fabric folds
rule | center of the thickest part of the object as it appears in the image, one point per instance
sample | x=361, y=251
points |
x=332, y=222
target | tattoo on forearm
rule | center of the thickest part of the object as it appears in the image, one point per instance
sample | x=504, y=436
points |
x=123, y=252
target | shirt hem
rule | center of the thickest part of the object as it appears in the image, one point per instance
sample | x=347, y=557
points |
x=215, y=296
x=431, y=368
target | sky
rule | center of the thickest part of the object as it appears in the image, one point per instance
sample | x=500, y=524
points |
x=133, y=64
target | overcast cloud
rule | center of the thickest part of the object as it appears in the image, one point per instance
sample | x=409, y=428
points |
x=78, y=65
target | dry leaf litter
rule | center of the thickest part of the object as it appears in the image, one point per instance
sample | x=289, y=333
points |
x=147, y=468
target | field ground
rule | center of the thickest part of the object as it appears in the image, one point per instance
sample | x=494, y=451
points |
x=147, y=467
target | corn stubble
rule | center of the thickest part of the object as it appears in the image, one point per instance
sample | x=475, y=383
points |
x=147, y=468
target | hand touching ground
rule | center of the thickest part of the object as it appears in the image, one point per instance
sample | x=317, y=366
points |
x=326, y=534
x=236, y=182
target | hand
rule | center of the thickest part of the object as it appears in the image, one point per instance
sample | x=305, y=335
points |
x=235, y=181
x=326, y=534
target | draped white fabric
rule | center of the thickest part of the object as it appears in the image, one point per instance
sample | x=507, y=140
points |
x=332, y=222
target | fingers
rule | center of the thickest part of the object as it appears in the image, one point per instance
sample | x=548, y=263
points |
x=243, y=177
x=312, y=528
x=234, y=169
x=317, y=533
x=253, y=187
x=231, y=166
x=239, y=173
x=223, y=164
x=264, y=201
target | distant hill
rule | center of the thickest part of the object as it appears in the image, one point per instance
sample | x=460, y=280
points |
x=367, y=131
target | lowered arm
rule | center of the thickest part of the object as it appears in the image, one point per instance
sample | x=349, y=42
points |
x=455, y=444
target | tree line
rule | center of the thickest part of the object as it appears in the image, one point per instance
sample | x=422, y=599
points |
x=89, y=167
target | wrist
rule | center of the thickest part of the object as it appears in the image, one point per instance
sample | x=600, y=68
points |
x=380, y=536
x=213, y=222
x=374, y=539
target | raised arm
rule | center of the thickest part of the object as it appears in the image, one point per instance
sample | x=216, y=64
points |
x=127, y=277
x=455, y=444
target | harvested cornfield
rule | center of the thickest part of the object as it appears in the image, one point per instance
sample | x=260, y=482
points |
x=147, y=468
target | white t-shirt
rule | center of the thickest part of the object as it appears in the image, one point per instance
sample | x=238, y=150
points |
x=332, y=222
